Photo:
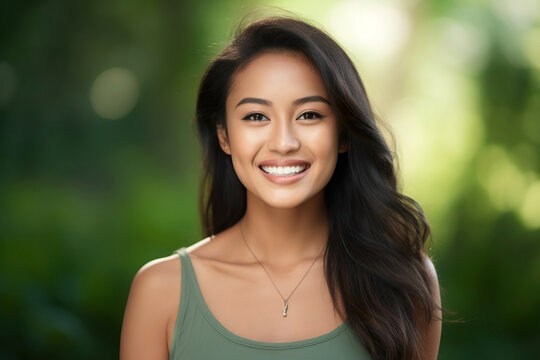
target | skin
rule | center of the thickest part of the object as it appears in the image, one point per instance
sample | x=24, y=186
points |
x=285, y=224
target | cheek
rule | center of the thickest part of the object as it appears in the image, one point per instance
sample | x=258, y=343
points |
x=245, y=144
x=325, y=140
x=326, y=150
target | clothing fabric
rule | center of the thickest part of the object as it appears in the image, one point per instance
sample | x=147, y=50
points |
x=199, y=335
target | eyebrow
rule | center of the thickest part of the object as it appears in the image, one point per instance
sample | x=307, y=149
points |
x=307, y=99
x=313, y=98
x=250, y=100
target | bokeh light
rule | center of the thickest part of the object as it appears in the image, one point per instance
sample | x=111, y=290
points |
x=530, y=209
x=376, y=29
x=505, y=183
x=114, y=93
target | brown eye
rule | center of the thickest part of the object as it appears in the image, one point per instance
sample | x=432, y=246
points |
x=310, y=115
x=255, y=117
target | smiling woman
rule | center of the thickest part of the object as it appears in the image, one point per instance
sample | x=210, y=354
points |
x=311, y=253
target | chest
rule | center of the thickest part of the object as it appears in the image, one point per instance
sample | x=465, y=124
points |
x=249, y=302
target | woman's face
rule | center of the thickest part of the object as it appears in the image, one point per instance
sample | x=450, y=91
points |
x=281, y=131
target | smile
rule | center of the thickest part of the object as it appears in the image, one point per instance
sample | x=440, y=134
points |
x=284, y=170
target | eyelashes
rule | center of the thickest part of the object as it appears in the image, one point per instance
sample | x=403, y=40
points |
x=255, y=117
x=308, y=115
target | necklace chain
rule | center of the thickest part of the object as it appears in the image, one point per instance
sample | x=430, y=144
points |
x=285, y=300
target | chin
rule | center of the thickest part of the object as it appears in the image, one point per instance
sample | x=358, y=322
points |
x=286, y=201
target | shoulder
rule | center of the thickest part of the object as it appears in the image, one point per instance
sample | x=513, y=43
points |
x=151, y=309
x=431, y=273
x=156, y=283
x=432, y=330
x=156, y=288
x=430, y=270
x=159, y=274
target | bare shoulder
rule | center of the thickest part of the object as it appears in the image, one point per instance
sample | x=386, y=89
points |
x=431, y=271
x=433, y=330
x=151, y=310
x=159, y=274
x=157, y=280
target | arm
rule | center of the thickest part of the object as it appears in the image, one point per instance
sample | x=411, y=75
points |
x=433, y=330
x=151, y=311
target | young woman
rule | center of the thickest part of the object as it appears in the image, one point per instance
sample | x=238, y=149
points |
x=312, y=252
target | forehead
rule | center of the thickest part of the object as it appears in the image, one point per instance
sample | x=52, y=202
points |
x=277, y=74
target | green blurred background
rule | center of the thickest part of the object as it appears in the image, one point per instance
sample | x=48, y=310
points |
x=99, y=162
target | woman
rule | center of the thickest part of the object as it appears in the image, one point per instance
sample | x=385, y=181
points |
x=313, y=252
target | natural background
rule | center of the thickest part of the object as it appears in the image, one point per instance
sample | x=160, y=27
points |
x=99, y=162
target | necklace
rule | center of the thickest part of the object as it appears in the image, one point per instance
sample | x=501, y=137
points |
x=285, y=300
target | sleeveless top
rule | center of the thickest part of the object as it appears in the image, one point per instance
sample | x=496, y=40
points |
x=199, y=335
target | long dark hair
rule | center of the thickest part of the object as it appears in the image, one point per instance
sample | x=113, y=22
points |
x=374, y=260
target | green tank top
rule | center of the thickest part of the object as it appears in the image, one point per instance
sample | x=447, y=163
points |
x=199, y=335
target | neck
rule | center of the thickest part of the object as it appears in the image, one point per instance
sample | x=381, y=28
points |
x=285, y=236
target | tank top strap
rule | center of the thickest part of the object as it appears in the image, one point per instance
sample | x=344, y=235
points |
x=186, y=266
x=188, y=299
x=189, y=286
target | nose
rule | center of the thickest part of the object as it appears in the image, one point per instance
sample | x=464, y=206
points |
x=283, y=138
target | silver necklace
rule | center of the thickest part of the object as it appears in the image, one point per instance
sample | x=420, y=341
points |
x=285, y=300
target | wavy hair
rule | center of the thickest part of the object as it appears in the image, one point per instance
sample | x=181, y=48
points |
x=374, y=260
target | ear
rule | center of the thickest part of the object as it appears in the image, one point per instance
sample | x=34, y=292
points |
x=223, y=139
x=342, y=147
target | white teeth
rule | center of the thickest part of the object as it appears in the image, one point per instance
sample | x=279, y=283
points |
x=283, y=170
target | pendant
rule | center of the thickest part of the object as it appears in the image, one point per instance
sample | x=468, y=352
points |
x=285, y=308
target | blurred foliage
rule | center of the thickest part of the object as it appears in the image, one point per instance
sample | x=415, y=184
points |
x=96, y=180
